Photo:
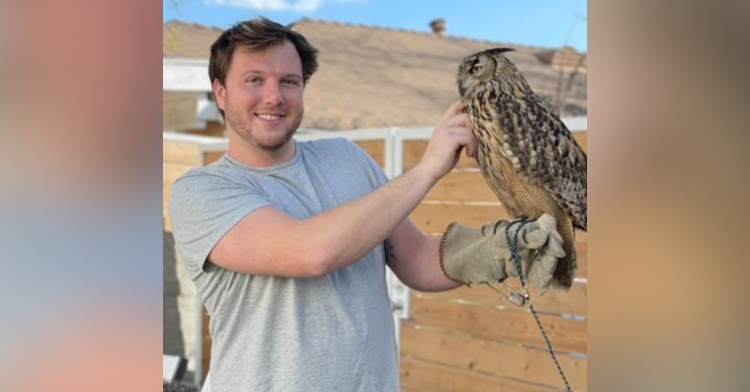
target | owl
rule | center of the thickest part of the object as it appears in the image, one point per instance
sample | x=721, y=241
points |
x=527, y=156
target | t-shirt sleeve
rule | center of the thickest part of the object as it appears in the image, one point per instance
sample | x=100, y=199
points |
x=203, y=207
x=374, y=171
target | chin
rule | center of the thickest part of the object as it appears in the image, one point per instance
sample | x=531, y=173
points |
x=274, y=145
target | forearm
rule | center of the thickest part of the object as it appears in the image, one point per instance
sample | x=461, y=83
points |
x=324, y=242
x=415, y=259
x=344, y=234
x=422, y=271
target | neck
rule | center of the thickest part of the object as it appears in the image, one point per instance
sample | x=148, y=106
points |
x=255, y=156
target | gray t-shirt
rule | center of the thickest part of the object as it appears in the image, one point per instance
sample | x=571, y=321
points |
x=332, y=333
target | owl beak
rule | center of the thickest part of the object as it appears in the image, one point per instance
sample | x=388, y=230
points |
x=461, y=89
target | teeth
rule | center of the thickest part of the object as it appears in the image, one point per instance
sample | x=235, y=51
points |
x=269, y=117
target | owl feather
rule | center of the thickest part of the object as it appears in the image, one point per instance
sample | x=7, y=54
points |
x=527, y=155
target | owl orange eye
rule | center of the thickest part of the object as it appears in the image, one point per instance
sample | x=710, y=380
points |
x=476, y=68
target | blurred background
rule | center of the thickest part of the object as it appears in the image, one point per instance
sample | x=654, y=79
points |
x=79, y=222
x=387, y=72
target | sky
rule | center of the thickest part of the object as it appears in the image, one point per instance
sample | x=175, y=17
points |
x=545, y=23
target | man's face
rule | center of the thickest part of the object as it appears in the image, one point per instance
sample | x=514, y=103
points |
x=262, y=96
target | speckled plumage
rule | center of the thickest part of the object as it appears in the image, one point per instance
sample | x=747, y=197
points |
x=525, y=152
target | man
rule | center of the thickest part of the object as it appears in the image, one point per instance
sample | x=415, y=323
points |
x=287, y=242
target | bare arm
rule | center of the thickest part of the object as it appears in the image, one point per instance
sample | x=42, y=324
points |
x=324, y=242
x=414, y=258
x=342, y=235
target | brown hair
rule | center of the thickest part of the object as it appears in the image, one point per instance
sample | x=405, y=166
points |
x=258, y=34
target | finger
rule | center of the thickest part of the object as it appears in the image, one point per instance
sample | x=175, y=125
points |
x=530, y=236
x=550, y=224
x=555, y=248
x=547, y=222
x=454, y=109
x=470, y=152
x=542, y=272
x=471, y=148
x=532, y=239
x=461, y=125
x=459, y=120
x=460, y=135
x=556, y=236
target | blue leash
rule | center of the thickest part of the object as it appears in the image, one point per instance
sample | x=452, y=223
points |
x=516, y=257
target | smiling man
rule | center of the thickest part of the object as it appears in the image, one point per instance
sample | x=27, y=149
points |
x=287, y=242
x=259, y=93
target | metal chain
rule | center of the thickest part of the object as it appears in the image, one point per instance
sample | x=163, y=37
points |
x=516, y=257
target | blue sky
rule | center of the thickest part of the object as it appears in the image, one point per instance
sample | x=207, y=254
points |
x=547, y=23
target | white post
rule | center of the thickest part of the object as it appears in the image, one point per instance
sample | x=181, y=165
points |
x=197, y=376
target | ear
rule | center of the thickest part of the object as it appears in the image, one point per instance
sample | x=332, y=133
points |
x=219, y=93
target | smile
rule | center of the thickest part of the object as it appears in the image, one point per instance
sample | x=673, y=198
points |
x=268, y=116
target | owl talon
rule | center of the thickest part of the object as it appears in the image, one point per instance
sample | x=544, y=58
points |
x=523, y=220
x=498, y=224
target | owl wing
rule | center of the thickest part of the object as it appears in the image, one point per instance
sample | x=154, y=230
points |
x=548, y=156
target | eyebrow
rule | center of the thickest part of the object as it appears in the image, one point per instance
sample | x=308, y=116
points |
x=258, y=72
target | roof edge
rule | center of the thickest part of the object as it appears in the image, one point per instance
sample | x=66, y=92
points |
x=426, y=33
x=382, y=28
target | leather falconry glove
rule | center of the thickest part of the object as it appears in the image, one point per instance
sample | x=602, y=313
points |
x=472, y=256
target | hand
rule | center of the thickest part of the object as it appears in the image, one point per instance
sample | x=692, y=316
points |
x=539, y=245
x=483, y=255
x=449, y=137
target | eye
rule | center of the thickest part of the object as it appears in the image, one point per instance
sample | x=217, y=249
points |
x=476, y=68
x=290, y=82
x=252, y=79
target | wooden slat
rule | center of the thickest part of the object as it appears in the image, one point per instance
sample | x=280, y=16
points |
x=462, y=186
x=434, y=218
x=582, y=139
x=206, y=344
x=170, y=173
x=180, y=153
x=582, y=252
x=572, y=302
x=500, y=359
x=490, y=323
x=166, y=223
x=425, y=376
x=212, y=156
x=375, y=148
x=414, y=149
x=212, y=128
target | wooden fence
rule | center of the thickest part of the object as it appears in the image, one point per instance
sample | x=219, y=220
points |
x=471, y=339
x=180, y=153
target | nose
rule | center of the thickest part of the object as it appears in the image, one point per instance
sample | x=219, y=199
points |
x=272, y=94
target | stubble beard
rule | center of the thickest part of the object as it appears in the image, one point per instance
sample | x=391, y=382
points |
x=244, y=129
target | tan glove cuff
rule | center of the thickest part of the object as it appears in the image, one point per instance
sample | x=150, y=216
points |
x=466, y=256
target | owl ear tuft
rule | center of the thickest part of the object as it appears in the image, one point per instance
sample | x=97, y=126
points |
x=500, y=50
